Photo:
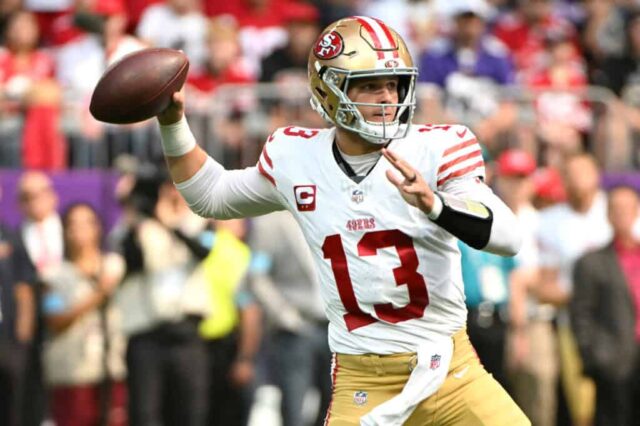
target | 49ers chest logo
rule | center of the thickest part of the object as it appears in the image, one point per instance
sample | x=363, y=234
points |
x=329, y=46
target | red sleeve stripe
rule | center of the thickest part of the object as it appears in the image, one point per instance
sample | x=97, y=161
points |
x=264, y=173
x=387, y=33
x=459, y=146
x=446, y=166
x=265, y=154
x=372, y=33
x=461, y=172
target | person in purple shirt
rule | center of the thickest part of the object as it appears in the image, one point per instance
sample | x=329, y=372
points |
x=471, y=68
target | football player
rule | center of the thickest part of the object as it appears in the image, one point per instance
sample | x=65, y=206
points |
x=380, y=202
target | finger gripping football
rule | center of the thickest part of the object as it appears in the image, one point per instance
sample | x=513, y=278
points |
x=139, y=86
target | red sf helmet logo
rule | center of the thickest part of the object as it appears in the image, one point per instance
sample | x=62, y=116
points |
x=391, y=63
x=329, y=46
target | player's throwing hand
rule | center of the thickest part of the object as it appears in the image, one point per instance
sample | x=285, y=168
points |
x=174, y=111
x=414, y=189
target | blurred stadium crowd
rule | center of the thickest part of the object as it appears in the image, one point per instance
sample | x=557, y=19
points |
x=166, y=318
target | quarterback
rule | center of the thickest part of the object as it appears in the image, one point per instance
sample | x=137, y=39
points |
x=381, y=203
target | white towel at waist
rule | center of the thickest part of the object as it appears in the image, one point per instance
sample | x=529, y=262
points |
x=426, y=378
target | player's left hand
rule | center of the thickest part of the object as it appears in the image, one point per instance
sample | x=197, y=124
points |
x=413, y=188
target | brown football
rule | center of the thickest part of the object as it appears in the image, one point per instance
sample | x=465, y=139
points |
x=139, y=86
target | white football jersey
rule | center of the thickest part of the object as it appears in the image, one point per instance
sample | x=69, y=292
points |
x=389, y=276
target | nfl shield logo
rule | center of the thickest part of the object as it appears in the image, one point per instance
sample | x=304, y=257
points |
x=360, y=398
x=435, y=362
x=357, y=196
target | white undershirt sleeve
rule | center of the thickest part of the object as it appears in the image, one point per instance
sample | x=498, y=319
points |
x=228, y=194
x=506, y=236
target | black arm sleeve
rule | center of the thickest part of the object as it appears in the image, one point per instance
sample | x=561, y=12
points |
x=469, y=221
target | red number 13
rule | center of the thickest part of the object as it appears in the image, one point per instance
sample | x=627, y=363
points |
x=406, y=274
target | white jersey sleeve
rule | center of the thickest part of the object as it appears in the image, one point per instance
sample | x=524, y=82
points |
x=227, y=194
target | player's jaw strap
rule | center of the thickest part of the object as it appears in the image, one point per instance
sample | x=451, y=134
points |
x=470, y=221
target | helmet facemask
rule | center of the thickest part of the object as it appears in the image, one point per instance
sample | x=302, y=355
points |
x=349, y=117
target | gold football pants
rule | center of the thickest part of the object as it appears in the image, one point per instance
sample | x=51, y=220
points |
x=469, y=395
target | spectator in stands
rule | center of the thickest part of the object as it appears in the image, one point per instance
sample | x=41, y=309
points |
x=135, y=9
x=603, y=34
x=104, y=43
x=83, y=354
x=178, y=24
x=284, y=281
x=289, y=63
x=163, y=299
x=531, y=357
x=261, y=26
x=29, y=99
x=524, y=31
x=548, y=188
x=48, y=14
x=568, y=230
x=621, y=71
x=471, y=68
x=41, y=230
x=41, y=234
x=7, y=9
x=234, y=144
x=17, y=323
x=620, y=74
x=563, y=114
x=287, y=68
x=233, y=330
x=605, y=314
x=224, y=65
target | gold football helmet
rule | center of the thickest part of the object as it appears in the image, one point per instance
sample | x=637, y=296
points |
x=358, y=47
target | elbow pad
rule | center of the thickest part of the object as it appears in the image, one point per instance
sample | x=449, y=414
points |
x=470, y=221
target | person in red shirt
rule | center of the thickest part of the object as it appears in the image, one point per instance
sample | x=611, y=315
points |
x=225, y=63
x=524, y=31
x=605, y=314
x=27, y=88
x=563, y=112
x=261, y=25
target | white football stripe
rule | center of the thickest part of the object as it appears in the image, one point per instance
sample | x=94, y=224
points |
x=385, y=43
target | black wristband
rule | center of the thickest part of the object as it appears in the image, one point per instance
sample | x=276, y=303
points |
x=469, y=221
